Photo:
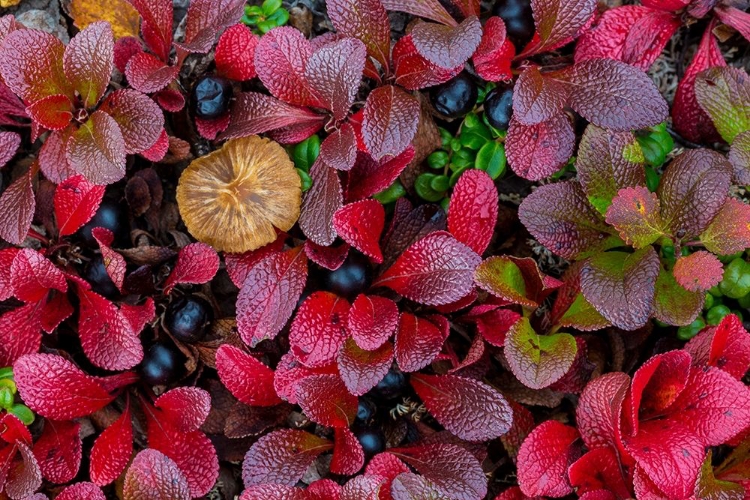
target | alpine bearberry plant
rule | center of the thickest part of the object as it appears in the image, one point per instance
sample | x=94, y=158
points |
x=373, y=309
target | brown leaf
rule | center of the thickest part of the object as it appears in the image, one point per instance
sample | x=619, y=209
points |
x=120, y=14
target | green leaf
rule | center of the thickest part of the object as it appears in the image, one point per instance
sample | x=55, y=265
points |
x=538, y=360
x=391, y=193
x=607, y=162
x=476, y=136
x=270, y=6
x=583, y=316
x=621, y=285
x=424, y=189
x=634, y=212
x=724, y=94
x=673, y=304
x=709, y=488
x=502, y=277
x=306, y=152
x=279, y=18
x=729, y=231
x=491, y=159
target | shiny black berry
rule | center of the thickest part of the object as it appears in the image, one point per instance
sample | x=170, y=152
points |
x=161, y=365
x=188, y=318
x=211, y=96
x=351, y=279
x=455, y=97
x=371, y=439
x=498, y=107
x=391, y=387
x=110, y=215
x=96, y=275
x=519, y=21
x=366, y=411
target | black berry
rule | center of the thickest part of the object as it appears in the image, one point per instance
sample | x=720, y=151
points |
x=498, y=107
x=366, y=411
x=455, y=97
x=96, y=275
x=391, y=387
x=371, y=439
x=211, y=96
x=188, y=318
x=519, y=21
x=352, y=278
x=161, y=365
x=110, y=215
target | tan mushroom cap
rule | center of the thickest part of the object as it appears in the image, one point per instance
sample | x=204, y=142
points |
x=234, y=198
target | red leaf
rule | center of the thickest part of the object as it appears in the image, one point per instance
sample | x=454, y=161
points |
x=9, y=144
x=206, y=18
x=698, y=271
x=614, y=95
x=537, y=151
x=170, y=100
x=320, y=203
x=417, y=342
x=714, y=406
x=55, y=388
x=6, y=260
x=76, y=201
x=319, y=329
x=429, y=9
x=125, y=48
x=139, y=118
x=86, y=490
x=88, y=61
x=436, y=270
x=473, y=210
x=238, y=265
x=53, y=112
x=690, y=120
x=454, y=471
x=669, y=455
x=390, y=121
x=154, y=475
x=329, y=257
x=366, y=21
x=729, y=231
x=494, y=56
x=235, y=53
x=361, y=488
x=290, y=371
x=139, y=315
x=20, y=333
x=270, y=491
x=599, y=409
x=559, y=21
x=334, y=72
x=156, y=25
x=282, y=457
x=493, y=324
x=114, y=263
x=191, y=451
x=269, y=295
x=599, y=469
x=280, y=60
x=339, y=149
x=31, y=64
x=360, y=224
x=647, y=38
x=447, y=46
x=362, y=370
x=149, y=74
x=186, y=408
x=112, y=450
x=197, y=263
x=348, y=456
x=536, y=98
x=56, y=309
x=369, y=176
x=326, y=401
x=247, y=379
x=97, y=149
x=24, y=476
x=413, y=71
x=468, y=408
x=372, y=320
x=726, y=346
x=254, y=113
x=32, y=276
x=53, y=159
x=107, y=337
x=17, y=205
x=58, y=450
x=544, y=458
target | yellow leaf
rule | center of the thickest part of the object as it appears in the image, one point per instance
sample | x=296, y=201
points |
x=121, y=15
